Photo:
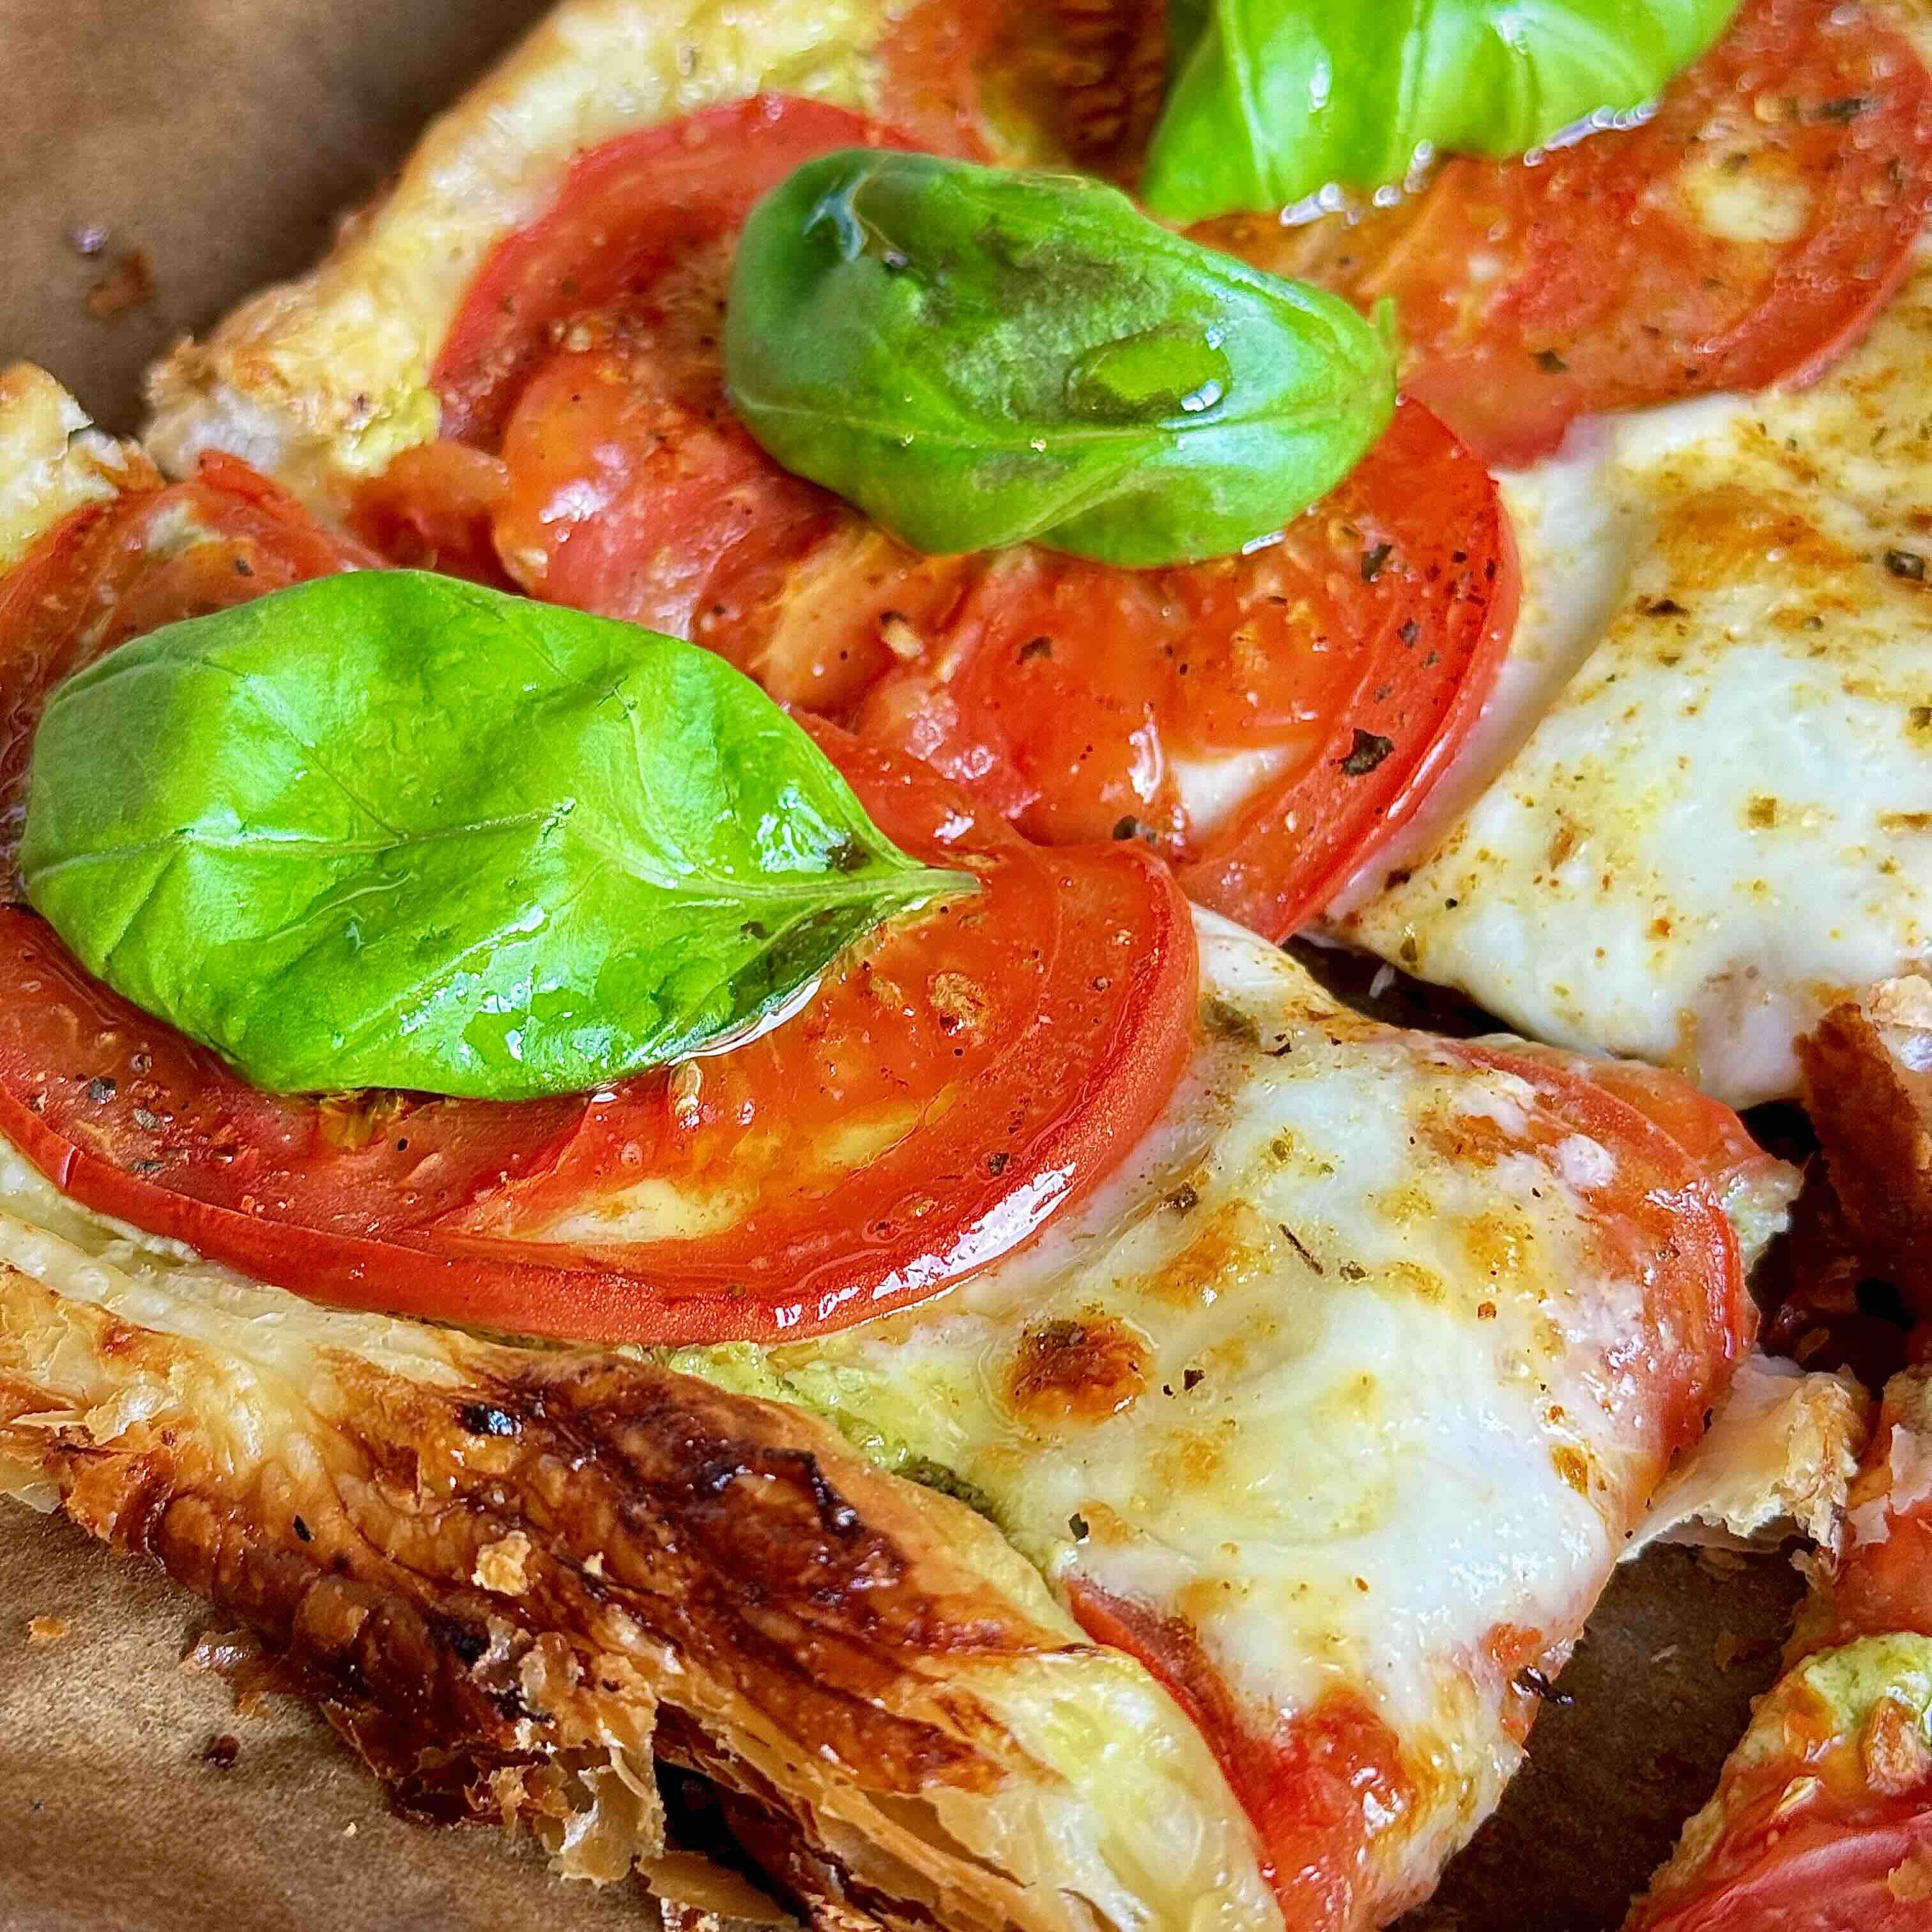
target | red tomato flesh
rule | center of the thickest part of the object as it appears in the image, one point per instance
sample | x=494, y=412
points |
x=1310, y=1785
x=1745, y=234
x=1332, y=672
x=954, y=1082
x=1661, y=1216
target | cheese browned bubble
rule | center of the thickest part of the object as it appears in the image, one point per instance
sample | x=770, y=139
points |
x=1699, y=812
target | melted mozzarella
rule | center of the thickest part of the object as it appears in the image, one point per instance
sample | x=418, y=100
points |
x=1309, y=1373
x=1700, y=811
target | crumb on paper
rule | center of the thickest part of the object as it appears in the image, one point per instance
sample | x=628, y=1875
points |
x=222, y=1752
x=88, y=238
x=128, y=284
x=500, y=1565
x=349, y=1830
x=46, y=1630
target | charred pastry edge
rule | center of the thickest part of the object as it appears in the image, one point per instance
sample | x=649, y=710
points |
x=497, y=1571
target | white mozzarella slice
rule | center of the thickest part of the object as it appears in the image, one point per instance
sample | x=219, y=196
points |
x=1713, y=814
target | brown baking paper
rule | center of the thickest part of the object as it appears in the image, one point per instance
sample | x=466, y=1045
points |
x=163, y=158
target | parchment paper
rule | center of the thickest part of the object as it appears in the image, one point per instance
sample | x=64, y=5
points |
x=221, y=137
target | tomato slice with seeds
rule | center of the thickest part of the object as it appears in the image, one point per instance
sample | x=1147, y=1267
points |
x=1263, y=721
x=624, y=213
x=1745, y=234
x=1324, y=680
x=951, y=1084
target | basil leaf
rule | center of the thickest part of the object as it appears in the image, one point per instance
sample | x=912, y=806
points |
x=1274, y=100
x=977, y=358
x=390, y=829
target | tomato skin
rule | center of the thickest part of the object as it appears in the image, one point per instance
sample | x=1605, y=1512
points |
x=433, y=509
x=1668, y=1198
x=1815, y=1876
x=1361, y=649
x=1600, y=276
x=1717, y=1141
x=623, y=213
x=1294, y=846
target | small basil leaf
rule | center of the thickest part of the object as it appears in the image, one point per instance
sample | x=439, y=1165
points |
x=1274, y=99
x=390, y=829
x=978, y=358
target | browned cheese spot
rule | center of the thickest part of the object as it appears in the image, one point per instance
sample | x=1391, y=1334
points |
x=1082, y=1371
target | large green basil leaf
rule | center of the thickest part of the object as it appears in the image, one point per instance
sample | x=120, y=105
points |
x=976, y=357
x=390, y=829
x=1274, y=100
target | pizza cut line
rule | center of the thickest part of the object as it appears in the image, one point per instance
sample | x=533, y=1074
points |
x=1168, y=1509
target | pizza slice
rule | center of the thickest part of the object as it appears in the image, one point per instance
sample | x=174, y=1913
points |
x=1205, y=1553
x=1823, y=1817
x=509, y=367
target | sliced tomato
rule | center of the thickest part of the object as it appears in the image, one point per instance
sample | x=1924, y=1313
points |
x=624, y=212
x=1265, y=721
x=433, y=509
x=951, y=1085
x=1714, y=1136
x=1813, y=1876
x=1658, y=1216
x=930, y=64
x=1080, y=79
x=1744, y=234
x=1329, y=676
x=115, y=569
x=1312, y=1787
